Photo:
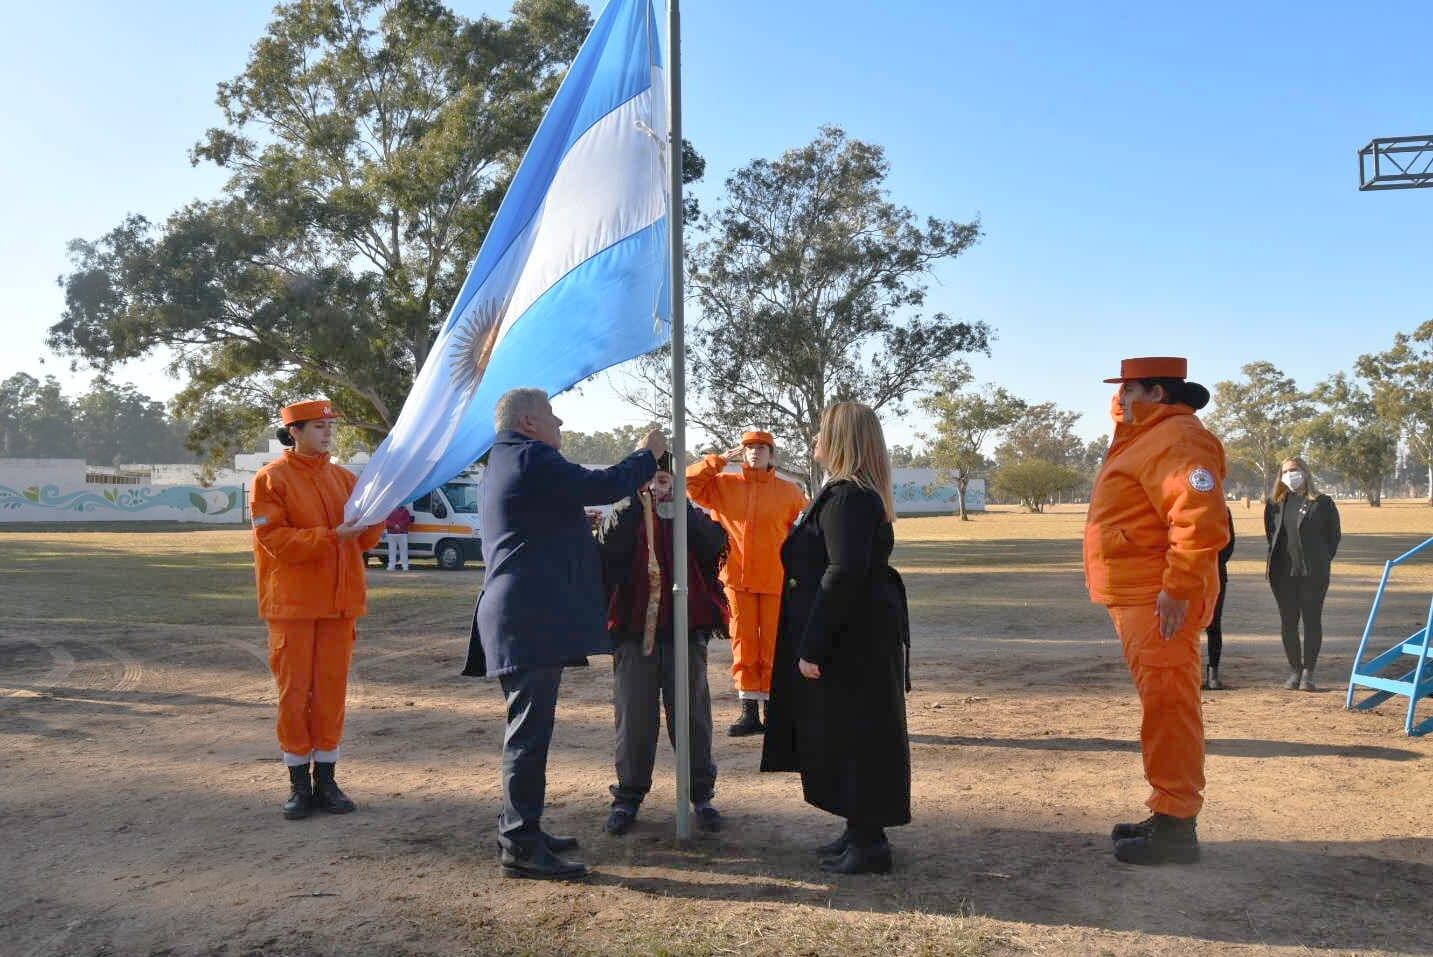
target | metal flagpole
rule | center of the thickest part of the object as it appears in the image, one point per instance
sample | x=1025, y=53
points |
x=682, y=684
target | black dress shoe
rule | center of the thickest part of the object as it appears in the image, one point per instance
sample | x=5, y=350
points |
x=557, y=844
x=620, y=821
x=1123, y=832
x=541, y=864
x=837, y=847
x=300, y=802
x=328, y=796
x=1170, y=840
x=874, y=859
x=709, y=819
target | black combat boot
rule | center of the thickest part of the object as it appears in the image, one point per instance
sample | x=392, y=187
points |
x=1169, y=840
x=750, y=720
x=327, y=794
x=300, y=802
x=1136, y=829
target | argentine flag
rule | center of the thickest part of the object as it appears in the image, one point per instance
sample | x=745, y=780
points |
x=572, y=277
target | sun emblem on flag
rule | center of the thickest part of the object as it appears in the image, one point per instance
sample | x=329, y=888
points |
x=471, y=344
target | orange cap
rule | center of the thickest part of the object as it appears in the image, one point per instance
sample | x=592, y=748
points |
x=1152, y=367
x=758, y=438
x=308, y=411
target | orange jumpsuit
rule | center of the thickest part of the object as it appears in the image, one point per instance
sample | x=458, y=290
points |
x=757, y=509
x=1156, y=522
x=312, y=589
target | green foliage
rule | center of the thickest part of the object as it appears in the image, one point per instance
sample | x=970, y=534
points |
x=965, y=422
x=1348, y=435
x=1034, y=482
x=369, y=142
x=603, y=448
x=1257, y=418
x=36, y=420
x=808, y=278
x=107, y=425
x=1401, y=385
x=1045, y=432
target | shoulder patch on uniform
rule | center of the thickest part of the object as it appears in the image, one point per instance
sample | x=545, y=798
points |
x=1201, y=479
x=260, y=520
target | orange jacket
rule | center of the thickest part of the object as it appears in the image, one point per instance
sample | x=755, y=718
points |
x=757, y=509
x=302, y=569
x=1157, y=517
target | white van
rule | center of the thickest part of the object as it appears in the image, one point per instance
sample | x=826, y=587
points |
x=445, y=525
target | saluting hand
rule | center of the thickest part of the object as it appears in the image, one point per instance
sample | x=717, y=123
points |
x=809, y=669
x=734, y=455
x=1172, y=612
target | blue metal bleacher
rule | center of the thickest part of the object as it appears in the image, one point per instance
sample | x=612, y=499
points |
x=1417, y=682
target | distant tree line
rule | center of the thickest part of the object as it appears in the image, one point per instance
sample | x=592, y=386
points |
x=108, y=425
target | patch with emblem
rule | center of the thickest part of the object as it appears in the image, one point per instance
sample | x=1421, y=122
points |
x=1201, y=480
x=260, y=520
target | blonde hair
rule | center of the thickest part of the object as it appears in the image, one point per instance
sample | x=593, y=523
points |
x=855, y=450
x=1281, y=491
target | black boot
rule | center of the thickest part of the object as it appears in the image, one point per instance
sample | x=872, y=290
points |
x=1170, y=840
x=300, y=802
x=1137, y=829
x=837, y=847
x=327, y=794
x=750, y=720
x=1212, y=682
x=867, y=852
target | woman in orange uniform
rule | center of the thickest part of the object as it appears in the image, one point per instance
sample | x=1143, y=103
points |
x=757, y=508
x=310, y=572
x=1156, y=524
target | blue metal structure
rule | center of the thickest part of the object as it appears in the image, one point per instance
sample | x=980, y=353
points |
x=1416, y=683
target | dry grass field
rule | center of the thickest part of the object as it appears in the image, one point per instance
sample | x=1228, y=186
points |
x=139, y=805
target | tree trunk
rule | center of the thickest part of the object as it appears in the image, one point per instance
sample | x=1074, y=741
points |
x=1430, y=480
x=960, y=498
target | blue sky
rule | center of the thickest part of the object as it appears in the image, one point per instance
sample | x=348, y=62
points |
x=1152, y=178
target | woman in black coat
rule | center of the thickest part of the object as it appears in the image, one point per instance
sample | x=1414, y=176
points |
x=838, y=711
x=1302, y=529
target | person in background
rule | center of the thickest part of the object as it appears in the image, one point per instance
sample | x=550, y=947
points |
x=1215, y=631
x=310, y=572
x=1303, y=532
x=838, y=691
x=542, y=603
x=756, y=507
x=636, y=545
x=396, y=527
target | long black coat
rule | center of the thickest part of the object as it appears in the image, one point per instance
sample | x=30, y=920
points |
x=844, y=608
x=1319, y=533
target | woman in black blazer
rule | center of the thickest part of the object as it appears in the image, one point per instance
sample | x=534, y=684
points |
x=838, y=709
x=1302, y=529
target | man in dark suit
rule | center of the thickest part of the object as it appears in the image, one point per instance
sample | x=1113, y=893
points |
x=542, y=604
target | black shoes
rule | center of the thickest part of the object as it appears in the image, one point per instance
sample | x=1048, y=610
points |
x=620, y=821
x=837, y=847
x=749, y=722
x=300, y=803
x=327, y=794
x=1211, y=680
x=860, y=859
x=709, y=819
x=1162, y=839
x=541, y=864
x=557, y=844
x=1123, y=832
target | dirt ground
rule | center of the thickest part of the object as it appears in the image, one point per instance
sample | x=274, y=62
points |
x=140, y=786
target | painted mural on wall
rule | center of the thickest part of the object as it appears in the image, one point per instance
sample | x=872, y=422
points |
x=921, y=490
x=126, y=503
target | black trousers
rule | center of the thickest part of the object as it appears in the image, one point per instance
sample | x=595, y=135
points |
x=532, y=711
x=1215, y=631
x=1301, y=597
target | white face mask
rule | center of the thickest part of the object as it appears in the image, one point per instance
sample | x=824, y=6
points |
x=1294, y=480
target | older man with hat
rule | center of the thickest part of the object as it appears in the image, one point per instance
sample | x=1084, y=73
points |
x=757, y=508
x=1156, y=524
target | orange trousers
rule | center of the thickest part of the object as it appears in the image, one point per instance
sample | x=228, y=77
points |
x=310, y=660
x=754, y=618
x=1166, y=674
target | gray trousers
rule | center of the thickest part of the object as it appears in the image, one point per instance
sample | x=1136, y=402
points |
x=641, y=680
x=532, y=711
